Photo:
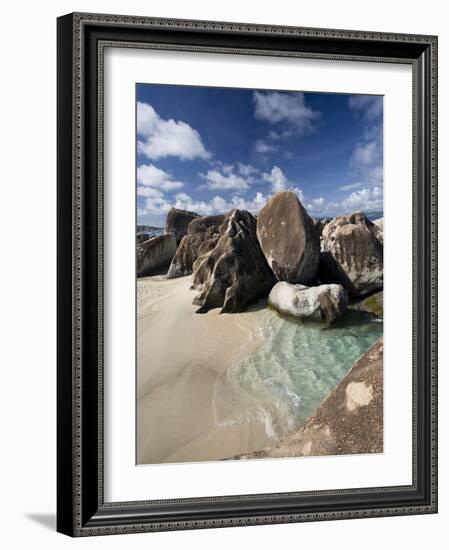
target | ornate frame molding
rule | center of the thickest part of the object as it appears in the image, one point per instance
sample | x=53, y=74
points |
x=82, y=510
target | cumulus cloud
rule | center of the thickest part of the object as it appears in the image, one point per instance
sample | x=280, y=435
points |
x=366, y=199
x=156, y=205
x=216, y=205
x=280, y=182
x=149, y=175
x=285, y=107
x=143, y=191
x=163, y=138
x=368, y=106
x=277, y=178
x=215, y=180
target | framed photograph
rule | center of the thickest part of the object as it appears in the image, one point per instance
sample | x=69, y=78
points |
x=247, y=278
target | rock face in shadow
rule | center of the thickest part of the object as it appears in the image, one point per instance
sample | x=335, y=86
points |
x=189, y=249
x=142, y=237
x=319, y=225
x=177, y=222
x=324, y=303
x=288, y=238
x=348, y=421
x=352, y=254
x=234, y=273
x=155, y=253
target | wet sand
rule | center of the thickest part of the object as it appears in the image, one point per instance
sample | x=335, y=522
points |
x=180, y=357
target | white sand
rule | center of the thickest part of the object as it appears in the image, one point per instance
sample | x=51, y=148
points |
x=180, y=355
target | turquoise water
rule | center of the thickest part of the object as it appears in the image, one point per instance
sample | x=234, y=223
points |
x=293, y=369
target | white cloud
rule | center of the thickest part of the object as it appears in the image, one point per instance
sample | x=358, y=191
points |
x=149, y=175
x=217, y=205
x=263, y=147
x=365, y=154
x=156, y=205
x=149, y=192
x=367, y=158
x=369, y=106
x=350, y=186
x=364, y=199
x=280, y=182
x=246, y=170
x=253, y=205
x=299, y=193
x=277, y=178
x=227, y=168
x=218, y=181
x=367, y=163
x=291, y=108
x=318, y=202
x=367, y=199
x=162, y=138
x=315, y=205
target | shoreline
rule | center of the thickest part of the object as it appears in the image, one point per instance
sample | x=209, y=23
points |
x=175, y=395
x=199, y=397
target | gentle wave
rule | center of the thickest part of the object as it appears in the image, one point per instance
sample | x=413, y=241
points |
x=293, y=369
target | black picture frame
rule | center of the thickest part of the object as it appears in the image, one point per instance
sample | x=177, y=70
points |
x=81, y=510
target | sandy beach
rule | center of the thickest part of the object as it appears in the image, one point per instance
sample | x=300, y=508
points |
x=180, y=359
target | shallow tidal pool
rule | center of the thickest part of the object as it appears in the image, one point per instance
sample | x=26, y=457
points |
x=291, y=370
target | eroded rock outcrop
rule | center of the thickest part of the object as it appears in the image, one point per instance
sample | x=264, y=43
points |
x=288, y=238
x=352, y=254
x=177, y=222
x=155, y=253
x=200, y=225
x=348, y=421
x=202, y=236
x=234, y=273
x=189, y=249
x=324, y=303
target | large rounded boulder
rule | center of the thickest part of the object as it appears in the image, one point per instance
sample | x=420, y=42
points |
x=234, y=273
x=323, y=303
x=352, y=254
x=177, y=222
x=154, y=254
x=288, y=238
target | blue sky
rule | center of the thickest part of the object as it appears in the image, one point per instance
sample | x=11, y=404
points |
x=213, y=149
